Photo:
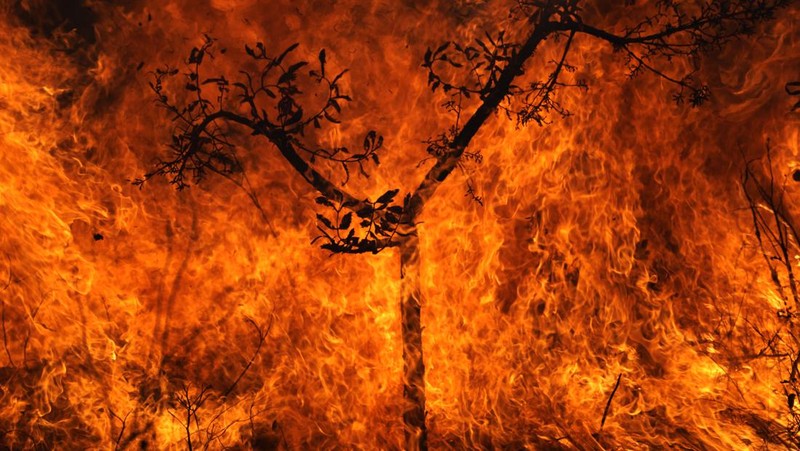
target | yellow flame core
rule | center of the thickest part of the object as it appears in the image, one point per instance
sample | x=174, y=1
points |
x=613, y=245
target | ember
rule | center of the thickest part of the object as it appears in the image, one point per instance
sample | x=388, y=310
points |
x=467, y=224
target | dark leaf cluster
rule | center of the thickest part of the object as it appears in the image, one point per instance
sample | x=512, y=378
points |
x=483, y=60
x=366, y=227
x=264, y=102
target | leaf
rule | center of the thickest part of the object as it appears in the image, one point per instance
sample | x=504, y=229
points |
x=191, y=87
x=375, y=159
x=220, y=80
x=286, y=77
x=285, y=52
x=483, y=46
x=442, y=48
x=488, y=36
x=335, y=105
x=322, y=61
x=365, y=212
x=196, y=56
x=793, y=88
x=322, y=200
x=325, y=221
x=369, y=140
x=296, y=117
x=396, y=209
x=387, y=196
x=293, y=68
x=331, y=118
x=347, y=219
x=384, y=227
x=336, y=78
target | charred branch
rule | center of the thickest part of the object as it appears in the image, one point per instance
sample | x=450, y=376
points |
x=678, y=31
x=608, y=403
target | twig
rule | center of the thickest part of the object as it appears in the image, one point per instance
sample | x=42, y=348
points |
x=608, y=404
x=3, y=314
x=121, y=434
x=262, y=336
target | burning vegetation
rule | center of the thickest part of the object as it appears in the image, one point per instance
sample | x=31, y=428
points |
x=469, y=224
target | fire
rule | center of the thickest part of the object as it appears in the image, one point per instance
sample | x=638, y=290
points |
x=594, y=283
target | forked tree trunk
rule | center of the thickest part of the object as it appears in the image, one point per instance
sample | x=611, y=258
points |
x=416, y=435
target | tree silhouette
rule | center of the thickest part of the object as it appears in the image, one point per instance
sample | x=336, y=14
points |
x=480, y=78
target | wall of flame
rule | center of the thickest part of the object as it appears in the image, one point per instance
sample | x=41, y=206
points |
x=614, y=243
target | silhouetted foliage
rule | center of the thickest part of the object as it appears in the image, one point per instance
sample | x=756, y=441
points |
x=481, y=76
x=200, y=144
x=379, y=220
x=478, y=78
x=201, y=137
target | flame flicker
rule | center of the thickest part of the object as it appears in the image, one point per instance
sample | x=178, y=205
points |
x=373, y=224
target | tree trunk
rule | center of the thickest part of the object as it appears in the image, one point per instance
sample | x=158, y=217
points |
x=416, y=435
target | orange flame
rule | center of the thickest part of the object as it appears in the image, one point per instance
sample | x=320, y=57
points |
x=613, y=247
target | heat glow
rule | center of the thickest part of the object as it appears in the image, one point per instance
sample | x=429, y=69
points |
x=616, y=244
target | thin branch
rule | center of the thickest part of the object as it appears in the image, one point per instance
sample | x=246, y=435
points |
x=608, y=403
x=262, y=336
x=3, y=315
x=444, y=166
x=658, y=38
